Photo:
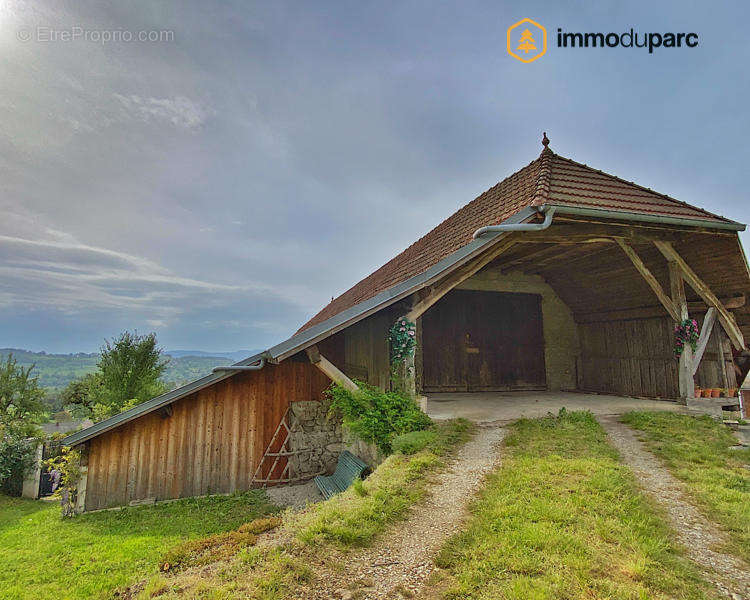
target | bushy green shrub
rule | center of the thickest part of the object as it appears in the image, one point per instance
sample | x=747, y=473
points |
x=412, y=442
x=376, y=416
x=16, y=460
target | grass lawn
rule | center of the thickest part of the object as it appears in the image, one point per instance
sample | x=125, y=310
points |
x=351, y=519
x=696, y=450
x=43, y=556
x=563, y=518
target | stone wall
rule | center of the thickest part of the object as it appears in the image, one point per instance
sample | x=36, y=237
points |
x=320, y=436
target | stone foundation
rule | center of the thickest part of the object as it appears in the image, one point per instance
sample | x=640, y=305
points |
x=318, y=435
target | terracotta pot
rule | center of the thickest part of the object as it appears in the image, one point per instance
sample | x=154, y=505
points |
x=732, y=393
x=715, y=392
x=706, y=393
x=697, y=392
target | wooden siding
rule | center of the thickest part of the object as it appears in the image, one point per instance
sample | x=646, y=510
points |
x=211, y=443
x=631, y=358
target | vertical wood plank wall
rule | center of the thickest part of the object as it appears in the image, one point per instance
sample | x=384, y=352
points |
x=632, y=358
x=211, y=443
x=635, y=358
x=361, y=350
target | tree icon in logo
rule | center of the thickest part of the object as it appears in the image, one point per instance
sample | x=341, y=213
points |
x=527, y=42
x=523, y=42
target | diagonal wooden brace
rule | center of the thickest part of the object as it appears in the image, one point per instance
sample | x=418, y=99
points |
x=725, y=317
x=666, y=301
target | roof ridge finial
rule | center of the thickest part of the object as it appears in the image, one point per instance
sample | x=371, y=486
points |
x=545, y=139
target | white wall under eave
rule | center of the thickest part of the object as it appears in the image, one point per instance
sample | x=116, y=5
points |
x=561, y=343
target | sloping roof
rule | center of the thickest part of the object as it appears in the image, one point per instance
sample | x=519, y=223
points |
x=550, y=179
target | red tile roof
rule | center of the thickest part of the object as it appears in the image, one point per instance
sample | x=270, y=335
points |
x=549, y=179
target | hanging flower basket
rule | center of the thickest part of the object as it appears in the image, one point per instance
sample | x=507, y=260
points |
x=685, y=333
x=403, y=340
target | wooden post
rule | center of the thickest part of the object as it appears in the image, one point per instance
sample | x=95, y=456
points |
x=677, y=287
x=706, y=329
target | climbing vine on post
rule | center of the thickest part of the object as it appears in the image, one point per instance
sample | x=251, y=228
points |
x=68, y=463
x=685, y=333
x=403, y=340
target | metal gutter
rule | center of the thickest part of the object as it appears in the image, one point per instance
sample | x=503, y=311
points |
x=237, y=368
x=643, y=218
x=546, y=210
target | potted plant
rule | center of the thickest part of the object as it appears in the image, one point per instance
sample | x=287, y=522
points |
x=732, y=393
x=715, y=392
x=697, y=392
x=706, y=393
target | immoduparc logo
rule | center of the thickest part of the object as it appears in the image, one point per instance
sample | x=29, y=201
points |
x=527, y=40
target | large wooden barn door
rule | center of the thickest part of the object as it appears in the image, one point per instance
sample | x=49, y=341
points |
x=483, y=341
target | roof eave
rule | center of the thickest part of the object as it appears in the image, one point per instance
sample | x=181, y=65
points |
x=606, y=213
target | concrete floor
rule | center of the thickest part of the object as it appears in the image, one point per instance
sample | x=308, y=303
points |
x=486, y=407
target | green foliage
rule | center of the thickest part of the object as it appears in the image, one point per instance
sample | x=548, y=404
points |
x=130, y=367
x=17, y=455
x=563, y=518
x=91, y=556
x=21, y=406
x=68, y=462
x=376, y=416
x=698, y=450
x=402, y=338
x=412, y=442
x=21, y=409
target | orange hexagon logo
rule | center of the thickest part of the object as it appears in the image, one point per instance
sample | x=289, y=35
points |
x=527, y=40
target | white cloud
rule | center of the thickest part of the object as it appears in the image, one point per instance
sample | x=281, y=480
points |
x=180, y=111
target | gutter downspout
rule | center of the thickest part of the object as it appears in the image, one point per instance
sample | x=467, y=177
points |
x=257, y=367
x=547, y=211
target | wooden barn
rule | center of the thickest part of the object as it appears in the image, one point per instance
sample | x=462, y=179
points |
x=560, y=277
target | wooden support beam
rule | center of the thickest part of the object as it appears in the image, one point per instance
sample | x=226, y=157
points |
x=706, y=329
x=330, y=369
x=685, y=367
x=443, y=287
x=646, y=312
x=666, y=301
x=725, y=317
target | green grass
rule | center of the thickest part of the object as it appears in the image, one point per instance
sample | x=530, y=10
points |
x=43, y=556
x=351, y=519
x=563, y=518
x=696, y=450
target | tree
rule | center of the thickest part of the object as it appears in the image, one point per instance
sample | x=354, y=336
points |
x=129, y=369
x=21, y=398
x=21, y=409
x=526, y=42
x=80, y=395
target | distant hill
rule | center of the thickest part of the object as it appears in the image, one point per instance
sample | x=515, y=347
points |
x=55, y=371
x=235, y=356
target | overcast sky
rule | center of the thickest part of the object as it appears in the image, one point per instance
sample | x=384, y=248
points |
x=220, y=186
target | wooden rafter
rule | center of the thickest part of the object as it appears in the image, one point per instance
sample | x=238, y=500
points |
x=330, y=369
x=442, y=288
x=706, y=329
x=665, y=300
x=725, y=317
